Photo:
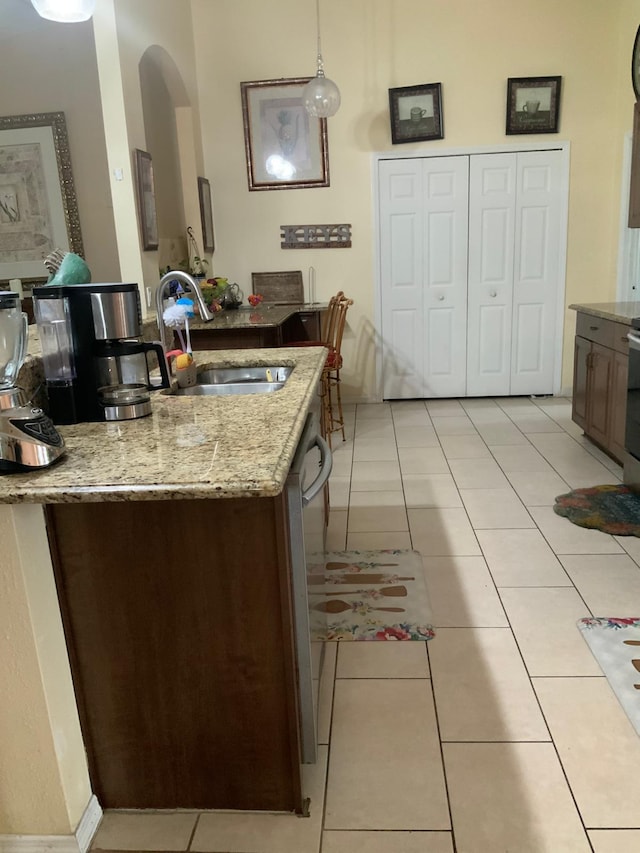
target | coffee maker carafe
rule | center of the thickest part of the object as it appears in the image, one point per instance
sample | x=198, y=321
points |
x=28, y=438
x=95, y=362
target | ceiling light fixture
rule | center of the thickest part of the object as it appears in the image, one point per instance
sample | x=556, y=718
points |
x=321, y=96
x=65, y=11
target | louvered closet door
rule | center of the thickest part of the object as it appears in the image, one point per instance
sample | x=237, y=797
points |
x=537, y=281
x=492, y=207
x=424, y=232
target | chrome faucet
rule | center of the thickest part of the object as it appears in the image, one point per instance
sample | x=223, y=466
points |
x=187, y=279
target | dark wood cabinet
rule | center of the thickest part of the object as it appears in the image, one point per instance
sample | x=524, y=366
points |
x=599, y=392
x=600, y=381
x=300, y=324
x=619, y=404
x=581, y=356
x=178, y=619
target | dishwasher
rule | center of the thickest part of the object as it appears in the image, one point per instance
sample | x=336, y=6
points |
x=307, y=477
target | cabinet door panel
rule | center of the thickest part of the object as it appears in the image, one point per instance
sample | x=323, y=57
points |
x=619, y=405
x=582, y=351
x=491, y=232
x=537, y=281
x=599, y=390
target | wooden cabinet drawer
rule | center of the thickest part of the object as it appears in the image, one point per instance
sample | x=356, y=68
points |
x=620, y=340
x=596, y=329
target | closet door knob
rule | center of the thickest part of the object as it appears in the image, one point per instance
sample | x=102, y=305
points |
x=441, y=297
x=493, y=294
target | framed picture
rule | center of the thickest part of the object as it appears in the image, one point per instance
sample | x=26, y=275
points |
x=533, y=104
x=416, y=113
x=146, y=200
x=38, y=206
x=206, y=214
x=286, y=148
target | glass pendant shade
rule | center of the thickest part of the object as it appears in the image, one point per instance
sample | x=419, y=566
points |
x=65, y=11
x=321, y=97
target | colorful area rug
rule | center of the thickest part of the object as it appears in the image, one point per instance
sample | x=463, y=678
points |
x=612, y=509
x=615, y=643
x=370, y=595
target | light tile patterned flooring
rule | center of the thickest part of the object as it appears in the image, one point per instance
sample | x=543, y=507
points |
x=501, y=734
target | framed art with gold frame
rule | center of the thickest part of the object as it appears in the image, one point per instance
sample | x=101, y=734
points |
x=286, y=148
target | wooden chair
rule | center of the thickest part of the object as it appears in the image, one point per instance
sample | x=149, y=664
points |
x=333, y=323
x=332, y=408
x=279, y=288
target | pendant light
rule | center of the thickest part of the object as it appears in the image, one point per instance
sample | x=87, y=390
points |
x=321, y=96
x=65, y=11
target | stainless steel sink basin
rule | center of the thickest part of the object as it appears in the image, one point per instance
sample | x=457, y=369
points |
x=235, y=375
x=237, y=380
x=229, y=389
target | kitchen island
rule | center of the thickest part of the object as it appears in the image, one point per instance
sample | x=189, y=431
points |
x=267, y=325
x=168, y=538
x=600, y=370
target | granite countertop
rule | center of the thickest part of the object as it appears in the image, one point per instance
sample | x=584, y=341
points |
x=620, y=312
x=188, y=447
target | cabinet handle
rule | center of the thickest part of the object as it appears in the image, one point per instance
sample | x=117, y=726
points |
x=594, y=328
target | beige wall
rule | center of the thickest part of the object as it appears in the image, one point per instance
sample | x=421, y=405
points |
x=125, y=31
x=372, y=45
x=44, y=783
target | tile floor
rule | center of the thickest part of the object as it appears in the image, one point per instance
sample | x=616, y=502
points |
x=501, y=734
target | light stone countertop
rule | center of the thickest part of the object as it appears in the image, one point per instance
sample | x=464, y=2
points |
x=189, y=447
x=620, y=312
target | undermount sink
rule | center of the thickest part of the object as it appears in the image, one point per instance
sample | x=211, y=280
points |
x=235, y=375
x=237, y=380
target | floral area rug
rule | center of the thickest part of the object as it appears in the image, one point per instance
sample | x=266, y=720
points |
x=615, y=643
x=370, y=595
x=612, y=509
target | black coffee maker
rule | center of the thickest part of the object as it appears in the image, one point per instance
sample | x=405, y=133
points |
x=95, y=361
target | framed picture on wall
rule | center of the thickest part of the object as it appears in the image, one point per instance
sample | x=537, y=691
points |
x=206, y=214
x=416, y=113
x=533, y=104
x=146, y=200
x=38, y=206
x=286, y=148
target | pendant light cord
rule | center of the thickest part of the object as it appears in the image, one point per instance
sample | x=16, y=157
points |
x=320, y=62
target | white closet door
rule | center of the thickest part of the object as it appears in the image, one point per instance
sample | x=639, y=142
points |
x=424, y=228
x=492, y=206
x=401, y=262
x=536, y=272
x=446, y=229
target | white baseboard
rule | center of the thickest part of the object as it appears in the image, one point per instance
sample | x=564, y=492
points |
x=78, y=843
x=89, y=823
